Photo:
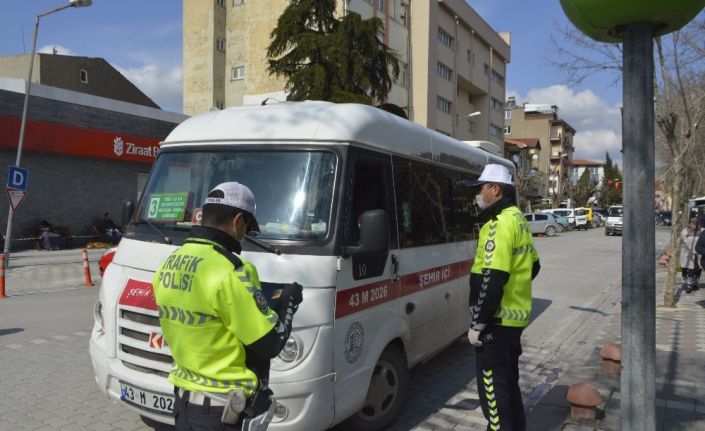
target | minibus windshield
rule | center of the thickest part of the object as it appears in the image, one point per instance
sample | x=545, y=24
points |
x=293, y=189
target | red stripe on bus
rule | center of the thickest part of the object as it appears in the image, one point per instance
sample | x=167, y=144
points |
x=361, y=298
x=138, y=294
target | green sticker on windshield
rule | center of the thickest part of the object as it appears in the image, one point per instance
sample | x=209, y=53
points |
x=167, y=206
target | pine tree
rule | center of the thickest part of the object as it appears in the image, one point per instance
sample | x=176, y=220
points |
x=583, y=189
x=324, y=58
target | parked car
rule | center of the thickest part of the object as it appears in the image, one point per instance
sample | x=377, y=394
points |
x=542, y=223
x=576, y=216
x=614, y=220
x=663, y=218
x=561, y=221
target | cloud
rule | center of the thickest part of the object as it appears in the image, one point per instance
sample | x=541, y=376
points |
x=61, y=50
x=161, y=84
x=598, y=125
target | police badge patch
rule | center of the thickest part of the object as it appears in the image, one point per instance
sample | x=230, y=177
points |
x=261, y=301
x=489, y=246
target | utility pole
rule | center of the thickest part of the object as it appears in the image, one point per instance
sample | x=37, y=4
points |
x=638, y=397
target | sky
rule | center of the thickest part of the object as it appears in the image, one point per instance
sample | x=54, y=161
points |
x=142, y=39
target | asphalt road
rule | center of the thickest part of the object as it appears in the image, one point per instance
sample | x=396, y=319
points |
x=48, y=381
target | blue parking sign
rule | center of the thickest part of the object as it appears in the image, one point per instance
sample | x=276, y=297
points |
x=17, y=178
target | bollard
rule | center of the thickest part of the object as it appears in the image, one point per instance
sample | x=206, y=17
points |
x=86, y=268
x=2, y=277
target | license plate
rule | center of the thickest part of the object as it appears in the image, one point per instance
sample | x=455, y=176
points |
x=146, y=400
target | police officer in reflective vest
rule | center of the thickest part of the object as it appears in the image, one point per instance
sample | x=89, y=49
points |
x=505, y=264
x=217, y=322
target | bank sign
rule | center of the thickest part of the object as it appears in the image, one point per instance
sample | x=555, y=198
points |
x=76, y=141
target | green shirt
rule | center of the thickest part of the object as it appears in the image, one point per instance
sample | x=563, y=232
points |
x=506, y=244
x=209, y=311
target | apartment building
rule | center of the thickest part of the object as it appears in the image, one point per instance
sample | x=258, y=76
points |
x=542, y=121
x=452, y=63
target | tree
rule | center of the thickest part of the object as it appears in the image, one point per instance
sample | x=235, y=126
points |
x=611, y=189
x=325, y=58
x=583, y=189
x=679, y=113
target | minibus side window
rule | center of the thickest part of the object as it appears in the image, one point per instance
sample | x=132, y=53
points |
x=369, y=189
x=436, y=205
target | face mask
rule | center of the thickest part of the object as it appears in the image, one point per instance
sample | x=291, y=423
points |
x=481, y=202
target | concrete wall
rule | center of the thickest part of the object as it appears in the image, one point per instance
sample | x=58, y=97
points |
x=17, y=66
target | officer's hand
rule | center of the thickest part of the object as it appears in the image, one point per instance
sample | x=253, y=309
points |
x=474, y=337
x=294, y=292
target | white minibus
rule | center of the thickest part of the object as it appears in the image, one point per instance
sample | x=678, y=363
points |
x=371, y=213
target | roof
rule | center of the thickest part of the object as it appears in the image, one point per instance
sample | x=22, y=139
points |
x=523, y=142
x=581, y=162
x=315, y=122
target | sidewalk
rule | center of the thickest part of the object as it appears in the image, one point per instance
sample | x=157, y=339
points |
x=36, y=271
x=680, y=372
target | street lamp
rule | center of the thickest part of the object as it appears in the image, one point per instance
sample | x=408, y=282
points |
x=474, y=114
x=28, y=87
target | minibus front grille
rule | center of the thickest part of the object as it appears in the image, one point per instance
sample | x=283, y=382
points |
x=135, y=343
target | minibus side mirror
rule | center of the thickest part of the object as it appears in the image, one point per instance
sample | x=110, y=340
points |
x=374, y=234
x=128, y=208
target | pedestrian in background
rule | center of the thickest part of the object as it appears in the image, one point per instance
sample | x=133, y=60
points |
x=690, y=267
x=216, y=320
x=505, y=264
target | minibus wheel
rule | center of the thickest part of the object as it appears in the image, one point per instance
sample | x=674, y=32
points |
x=385, y=394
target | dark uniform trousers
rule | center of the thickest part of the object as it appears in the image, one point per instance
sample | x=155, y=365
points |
x=497, y=375
x=196, y=417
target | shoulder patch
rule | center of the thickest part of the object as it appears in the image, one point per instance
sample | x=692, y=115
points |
x=261, y=301
x=489, y=246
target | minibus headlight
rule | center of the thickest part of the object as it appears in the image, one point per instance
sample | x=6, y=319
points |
x=98, y=315
x=292, y=349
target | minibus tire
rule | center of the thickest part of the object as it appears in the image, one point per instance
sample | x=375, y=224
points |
x=393, y=364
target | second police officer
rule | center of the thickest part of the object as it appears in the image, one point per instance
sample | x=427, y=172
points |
x=217, y=322
x=505, y=264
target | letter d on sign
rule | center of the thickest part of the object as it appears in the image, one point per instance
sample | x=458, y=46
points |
x=17, y=178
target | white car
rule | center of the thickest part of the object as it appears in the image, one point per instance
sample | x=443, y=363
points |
x=613, y=225
x=576, y=216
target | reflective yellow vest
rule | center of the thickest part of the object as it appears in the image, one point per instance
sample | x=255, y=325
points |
x=208, y=311
x=506, y=244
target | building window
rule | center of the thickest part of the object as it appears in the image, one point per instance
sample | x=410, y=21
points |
x=507, y=130
x=495, y=131
x=444, y=71
x=220, y=44
x=238, y=2
x=507, y=114
x=443, y=104
x=471, y=126
x=497, y=78
x=220, y=3
x=238, y=72
x=496, y=104
x=380, y=5
x=487, y=69
x=445, y=38
x=403, y=78
x=84, y=76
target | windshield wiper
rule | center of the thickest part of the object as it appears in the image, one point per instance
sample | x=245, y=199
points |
x=263, y=245
x=159, y=232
